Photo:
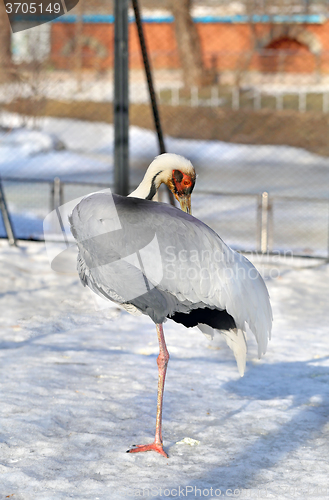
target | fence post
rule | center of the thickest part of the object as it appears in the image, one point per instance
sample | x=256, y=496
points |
x=235, y=98
x=175, y=96
x=121, y=98
x=257, y=100
x=265, y=223
x=214, y=101
x=6, y=218
x=56, y=194
x=279, y=102
x=194, y=96
x=302, y=102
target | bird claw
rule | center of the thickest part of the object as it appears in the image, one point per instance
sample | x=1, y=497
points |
x=148, y=447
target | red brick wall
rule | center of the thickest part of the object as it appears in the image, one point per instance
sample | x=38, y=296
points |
x=225, y=46
x=62, y=45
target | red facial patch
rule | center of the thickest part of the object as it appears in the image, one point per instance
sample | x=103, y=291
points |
x=183, y=182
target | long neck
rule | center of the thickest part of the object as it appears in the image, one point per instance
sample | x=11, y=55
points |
x=149, y=185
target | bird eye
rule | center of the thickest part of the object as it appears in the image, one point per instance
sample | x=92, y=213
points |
x=178, y=176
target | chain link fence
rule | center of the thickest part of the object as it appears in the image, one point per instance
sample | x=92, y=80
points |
x=256, y=131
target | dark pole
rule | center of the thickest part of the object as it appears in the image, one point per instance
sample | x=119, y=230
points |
x=148, y=73
x=5, y=216
x=121, y=104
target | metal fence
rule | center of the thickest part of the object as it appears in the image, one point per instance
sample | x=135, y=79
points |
x=300, y=99
x=262, y=222
x=257, y=134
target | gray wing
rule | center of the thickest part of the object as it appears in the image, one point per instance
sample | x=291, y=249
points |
x=162, y=261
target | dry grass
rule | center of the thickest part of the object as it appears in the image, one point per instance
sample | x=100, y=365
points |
x=308, y=130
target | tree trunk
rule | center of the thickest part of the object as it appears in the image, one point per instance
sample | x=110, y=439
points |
x=6, y=69
x=78, y=56
x=189, y=47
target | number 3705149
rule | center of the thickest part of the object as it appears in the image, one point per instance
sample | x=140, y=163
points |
x=32, y=8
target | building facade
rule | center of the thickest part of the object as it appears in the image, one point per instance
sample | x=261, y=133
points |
x=276, y=44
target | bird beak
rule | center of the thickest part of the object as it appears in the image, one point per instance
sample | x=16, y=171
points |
x=185, y=203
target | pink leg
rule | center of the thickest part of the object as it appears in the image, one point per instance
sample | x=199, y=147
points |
x=162, y=362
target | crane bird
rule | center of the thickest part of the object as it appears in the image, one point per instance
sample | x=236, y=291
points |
x=154, y=259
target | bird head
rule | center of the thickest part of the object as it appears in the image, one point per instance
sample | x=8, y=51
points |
x=177, y=173
x=181, y=184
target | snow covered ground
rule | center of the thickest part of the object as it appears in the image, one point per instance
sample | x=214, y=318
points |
x=46, y=147
x=60, y=85
x=78, y=387
x=81, y=151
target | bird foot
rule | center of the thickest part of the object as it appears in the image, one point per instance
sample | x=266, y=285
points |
x=148, y=447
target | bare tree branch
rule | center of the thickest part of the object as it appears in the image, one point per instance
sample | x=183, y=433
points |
x=6, y=69
x=189, y=47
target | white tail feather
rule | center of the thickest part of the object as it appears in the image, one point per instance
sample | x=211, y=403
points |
x=236, y=341
x=206, y=330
